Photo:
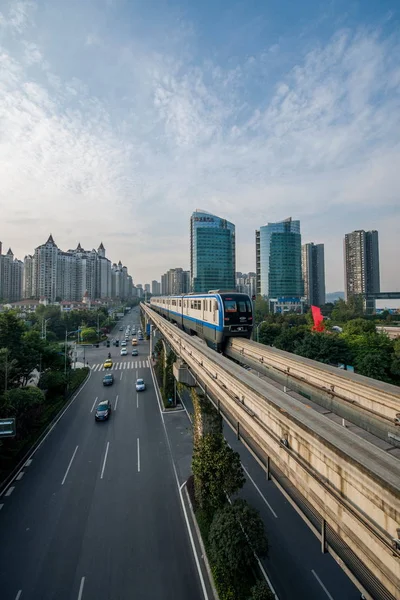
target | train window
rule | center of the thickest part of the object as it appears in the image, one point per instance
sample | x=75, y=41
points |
x=242, y=306
x=230, y=306
x=180, y=302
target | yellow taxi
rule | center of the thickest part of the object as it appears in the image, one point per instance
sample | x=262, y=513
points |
x=108, y=364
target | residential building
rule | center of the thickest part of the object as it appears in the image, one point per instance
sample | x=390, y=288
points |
x=278, y=263
x=246, y=283
x=11, y=277
x=147, y=288
x=28, y=276
x=45, y=270
x=176, y=281
x=75, y=274
x=155, y=288
x=212, y=252
x=361, y=263
x=313, y=268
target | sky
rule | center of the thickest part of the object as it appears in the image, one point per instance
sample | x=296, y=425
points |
x=118, y=118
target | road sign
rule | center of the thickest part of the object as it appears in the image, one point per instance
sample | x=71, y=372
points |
x=7, y=428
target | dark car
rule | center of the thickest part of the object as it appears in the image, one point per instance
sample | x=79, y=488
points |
x=103, y=411
x=108, y=379
x=135, y=352
x=140, y=337
x=116, y=343
x=121, y=328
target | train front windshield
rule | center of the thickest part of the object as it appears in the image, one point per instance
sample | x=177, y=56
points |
x=237, y=310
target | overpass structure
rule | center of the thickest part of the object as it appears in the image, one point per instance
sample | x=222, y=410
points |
x=345, y=488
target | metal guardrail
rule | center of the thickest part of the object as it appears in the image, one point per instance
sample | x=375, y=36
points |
x=284, y=430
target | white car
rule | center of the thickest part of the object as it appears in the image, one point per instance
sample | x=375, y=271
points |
x=124, y=352
x=123, y=343
x=140, y=385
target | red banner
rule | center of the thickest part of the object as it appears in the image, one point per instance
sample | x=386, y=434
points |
x=318, y=318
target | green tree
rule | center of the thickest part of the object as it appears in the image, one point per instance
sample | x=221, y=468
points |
x=261, y=309
x=328, y=348
x=231, y=549
x=53, y=382
x=289, y=338
x=217, y=471
x=261, y=591
x=89, y=335
x=9, y=370
x=344, y=311
x=24, y=405
x=268, y=332
x=359, y=326
x=168, y=377
x=11, y=330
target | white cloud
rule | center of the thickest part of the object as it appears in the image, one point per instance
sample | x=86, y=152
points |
x=122, y=146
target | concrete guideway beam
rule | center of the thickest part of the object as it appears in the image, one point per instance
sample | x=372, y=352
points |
x=381, y=399
x=352, y=485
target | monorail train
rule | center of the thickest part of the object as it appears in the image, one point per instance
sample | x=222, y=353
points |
x=213, y=317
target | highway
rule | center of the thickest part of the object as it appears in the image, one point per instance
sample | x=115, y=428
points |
x=96, y=515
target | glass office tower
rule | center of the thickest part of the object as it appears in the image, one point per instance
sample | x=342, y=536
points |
x=212, y=253
x=278, y=249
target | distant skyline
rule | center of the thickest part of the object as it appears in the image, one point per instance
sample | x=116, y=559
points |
x=252, y=111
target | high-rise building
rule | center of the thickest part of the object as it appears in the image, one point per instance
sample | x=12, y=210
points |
x=147, y=288
x=361, y=263
x=11, y=277
x=212, y=252
x=28, y=277
x=278, y=259
x=246, y=283
x=45, y=271
x=155, y=288
x=175, y=282
x=75, y=274
x=313, y=267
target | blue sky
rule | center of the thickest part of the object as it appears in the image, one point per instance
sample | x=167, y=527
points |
x=119, y=117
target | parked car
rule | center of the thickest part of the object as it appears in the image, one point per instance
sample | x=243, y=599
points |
x=108, y=379
x=140, y=385
x=103, y=411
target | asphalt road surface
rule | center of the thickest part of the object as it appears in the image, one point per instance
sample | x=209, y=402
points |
x=97, y=514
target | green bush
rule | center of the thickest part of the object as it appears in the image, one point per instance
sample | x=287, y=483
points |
x=261, y=591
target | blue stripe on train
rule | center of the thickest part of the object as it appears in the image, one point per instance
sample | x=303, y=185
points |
x=210, y=325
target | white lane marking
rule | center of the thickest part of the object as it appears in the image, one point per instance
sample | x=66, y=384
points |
x=20, y=476
x=95, y=367
x=94, y=404
x=138, y=455
x=121, y=376
x=137, y=400
x=69, y=466
x=259, y=491
x=81, y=588
x=28, y=463
x=147, y=363
x=104, y=462
x=18, y=596
x=116, y=402
x=10, y=490
x=321, y=584
x=196, y=558
x=52, y=427
x=124, y=365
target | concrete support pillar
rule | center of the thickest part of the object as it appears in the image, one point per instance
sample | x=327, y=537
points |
x=267, y=469
x=323, y=536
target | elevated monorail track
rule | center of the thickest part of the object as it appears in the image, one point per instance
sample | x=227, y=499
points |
x=371, y=404
x=353, y=486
